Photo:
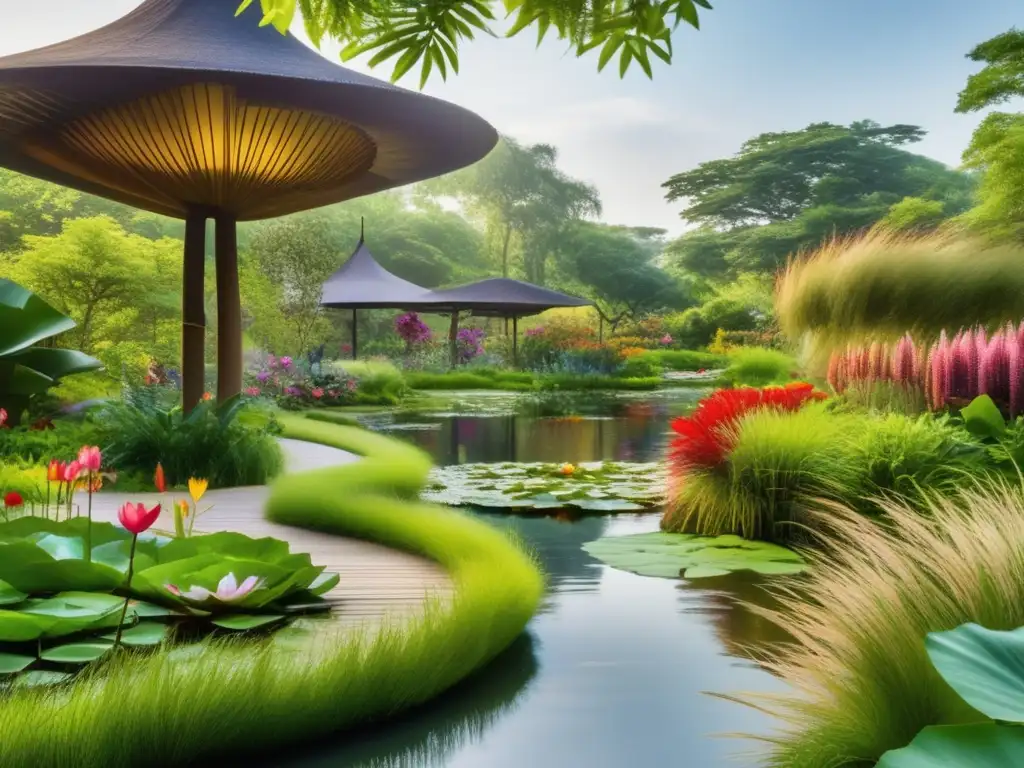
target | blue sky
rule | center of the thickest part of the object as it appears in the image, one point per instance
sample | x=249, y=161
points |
x=755, y=66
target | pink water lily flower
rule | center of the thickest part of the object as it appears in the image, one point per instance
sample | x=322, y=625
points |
x=228, y=590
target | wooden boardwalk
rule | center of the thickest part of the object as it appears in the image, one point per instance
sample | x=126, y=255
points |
x=376, y=581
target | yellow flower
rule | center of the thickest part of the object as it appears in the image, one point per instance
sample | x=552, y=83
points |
x=197, y=488
x=567, y=469
x=183, y=507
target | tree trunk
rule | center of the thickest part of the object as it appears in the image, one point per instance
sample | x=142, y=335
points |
x=504, y=250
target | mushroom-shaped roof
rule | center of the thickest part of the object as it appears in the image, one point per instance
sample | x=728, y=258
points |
x=504, y=297
x=179, y=105
x=362, y=283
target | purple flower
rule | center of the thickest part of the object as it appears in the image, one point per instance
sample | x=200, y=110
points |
x=293, y=391
x=411, y=328
x=286, y=362
x=263, y=376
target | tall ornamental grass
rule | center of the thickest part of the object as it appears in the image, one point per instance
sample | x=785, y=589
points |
x=882, y=285
x=861, y=682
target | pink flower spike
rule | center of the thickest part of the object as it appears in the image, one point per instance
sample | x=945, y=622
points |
x=89, y=458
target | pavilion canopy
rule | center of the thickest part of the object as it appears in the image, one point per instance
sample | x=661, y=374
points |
x=362, y=283
x=504, y=297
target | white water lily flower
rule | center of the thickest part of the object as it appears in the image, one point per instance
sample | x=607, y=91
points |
x=228, y=590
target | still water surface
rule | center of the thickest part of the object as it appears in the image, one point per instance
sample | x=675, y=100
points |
x=612, y=670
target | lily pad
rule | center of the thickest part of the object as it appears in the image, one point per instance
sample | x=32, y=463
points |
x=143, y=634
x=978, y=745
x=243, y=622
x=597, y=487
x=10, y=663
x=76, y=653
x=682, y=555
x=9, y=595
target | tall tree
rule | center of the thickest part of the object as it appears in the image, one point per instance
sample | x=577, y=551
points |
x=997, y=146
x=614, y=266
x=522, y=196
x=428, y=34
x=784, y=192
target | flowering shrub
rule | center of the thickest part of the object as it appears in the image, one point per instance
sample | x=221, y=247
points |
x=412, y=330
x=951, y=371
x=705, y=437
x=280, y=379
x=469, y=344
x=631, y=342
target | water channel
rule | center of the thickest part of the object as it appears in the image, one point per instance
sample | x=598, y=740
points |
x=612, y=671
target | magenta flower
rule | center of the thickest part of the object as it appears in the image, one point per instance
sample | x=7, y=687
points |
x=317, y=393
x=286, y=362
x=89, y=458
x=262, y=377
x=666, y=339
x=293, y=391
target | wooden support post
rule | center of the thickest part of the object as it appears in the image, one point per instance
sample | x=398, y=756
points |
x=193, y=312
x=355, y=333
x=229, y=309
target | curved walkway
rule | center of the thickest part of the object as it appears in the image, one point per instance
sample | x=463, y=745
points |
x=376, y=581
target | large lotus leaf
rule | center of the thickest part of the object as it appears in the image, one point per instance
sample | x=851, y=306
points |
x=21, y=381
x=324, y=583
x=12, y=663
x=614, y=486
x=26, y=319
x=983, y=419
x=227, y=544
x=142, y=634
x=151, y=583
x=675, y=555
x=33, y=528
x=77, y=653
x=116, y=555
x=984, y=666
x=9, y=595
x=55, y=363
x=18, y=627
x=979, y=745
x=146, y=610
x=62, y=547
x=30, y=569
x=71, y=612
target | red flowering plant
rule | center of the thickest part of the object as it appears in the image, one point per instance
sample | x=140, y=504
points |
x=706, y=436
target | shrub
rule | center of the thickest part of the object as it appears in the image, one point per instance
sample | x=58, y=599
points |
x=687, y=360
x=38, y=446
x=778, y=465
x=640, y=366
x=375, y=379
x=29, y=482
x=696, y=326
x=230, y=445
x=897, y=454
x=757, y=367
x=859, y=679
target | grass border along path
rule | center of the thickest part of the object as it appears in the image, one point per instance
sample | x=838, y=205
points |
x=226, y=699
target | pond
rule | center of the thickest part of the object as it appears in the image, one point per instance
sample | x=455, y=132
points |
x=613, y=668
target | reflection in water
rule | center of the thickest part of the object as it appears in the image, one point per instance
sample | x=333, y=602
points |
x=626, y=429
x=621, y=663
x=430, y=735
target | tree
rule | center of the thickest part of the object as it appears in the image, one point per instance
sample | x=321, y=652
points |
x=33, y=207
x=295, y=255
x=785, y=192
x=114, y=285
x=914, y=214
x=429, y=33
x=520, y=194
x=613, y=266
x=997, y=146
x=1002, y=77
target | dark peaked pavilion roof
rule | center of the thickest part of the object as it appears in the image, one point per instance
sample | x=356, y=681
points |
x=504, y=297
x=133, y=111
x=362, y=283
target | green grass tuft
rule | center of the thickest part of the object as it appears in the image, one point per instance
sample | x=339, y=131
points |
x=759, y=367
x=686, y=359
x=221, y=699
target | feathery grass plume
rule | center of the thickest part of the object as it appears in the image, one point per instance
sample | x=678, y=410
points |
x=861, y=682
x=882, y=285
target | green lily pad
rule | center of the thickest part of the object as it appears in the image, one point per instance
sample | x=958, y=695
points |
x=681, y=555
x=243, y=622
x=39, y=677
x=143, y=634
x=9, y=595
x=76, y=653
x=979, y=745
x=605, y=487
x=11, y=663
